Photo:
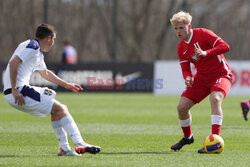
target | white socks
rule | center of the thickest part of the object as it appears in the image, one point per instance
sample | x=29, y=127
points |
x=61, y=135
x=186, y=122
x=67, y=124
x=71, y=128
x=216, y=119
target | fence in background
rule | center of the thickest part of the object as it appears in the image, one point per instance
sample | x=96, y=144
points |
x=101, y=77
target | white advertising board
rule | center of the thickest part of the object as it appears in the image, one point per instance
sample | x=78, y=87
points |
x=173, y=82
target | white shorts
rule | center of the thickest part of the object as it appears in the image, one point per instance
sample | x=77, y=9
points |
x=38, y=101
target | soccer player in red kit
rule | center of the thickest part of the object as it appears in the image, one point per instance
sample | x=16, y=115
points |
x=205, y=50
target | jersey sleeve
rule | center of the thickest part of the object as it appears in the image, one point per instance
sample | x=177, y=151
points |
x=185, y=63
x=25, y=54
x=218, y=46
x=29, y=51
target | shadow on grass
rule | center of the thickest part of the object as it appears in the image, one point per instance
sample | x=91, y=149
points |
x=11, y=156
x=235, y=127
x=105, y=153
x=22, y=156
x=153, y=152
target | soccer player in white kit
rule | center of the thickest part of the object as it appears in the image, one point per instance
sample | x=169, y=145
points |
x=38, y=101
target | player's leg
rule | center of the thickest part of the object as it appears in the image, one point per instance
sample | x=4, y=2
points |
x=60, y=113
x=61, y=134
x=185, y=119
x=216, y=99
x=245, y=108
x=219, y=91
x=184, y=115
x=189, y=98
x=57, y=113
x=42, y=107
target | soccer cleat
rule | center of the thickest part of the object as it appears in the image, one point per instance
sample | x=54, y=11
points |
x=67, y=153
x=202, y=151
x=245, y=109
x=181, y=143
x=89, y=148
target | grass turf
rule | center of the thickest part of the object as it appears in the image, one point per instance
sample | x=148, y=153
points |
x=133, y=130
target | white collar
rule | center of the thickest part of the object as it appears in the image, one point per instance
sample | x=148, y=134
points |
x=189, y=37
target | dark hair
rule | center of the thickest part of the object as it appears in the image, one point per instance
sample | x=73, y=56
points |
x=45, y=30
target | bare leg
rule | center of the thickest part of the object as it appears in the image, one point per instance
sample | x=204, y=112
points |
x=216, y=99
x=185, y=120
x=184, y=107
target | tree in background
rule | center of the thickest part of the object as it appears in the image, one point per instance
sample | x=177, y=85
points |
x=142, y=26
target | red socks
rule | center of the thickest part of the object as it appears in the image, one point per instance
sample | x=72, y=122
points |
x=216, y=129
x=187, y=131
x=216, y=125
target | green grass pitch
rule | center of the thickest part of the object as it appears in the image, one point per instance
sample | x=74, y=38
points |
x=133, y=130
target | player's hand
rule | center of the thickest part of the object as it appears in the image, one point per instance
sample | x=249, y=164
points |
x=19, y=99
x=189, y=81
x=74, y=87
x=200, y=52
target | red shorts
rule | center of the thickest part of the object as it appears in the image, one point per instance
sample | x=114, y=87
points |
x=201, y=88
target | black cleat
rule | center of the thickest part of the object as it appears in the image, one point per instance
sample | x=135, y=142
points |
x=245, y=109
x=181, y=143
x=90, y=149
x=93, y=149
x=202, y=151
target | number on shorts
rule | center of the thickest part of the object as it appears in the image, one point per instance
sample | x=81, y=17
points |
x=48, y=92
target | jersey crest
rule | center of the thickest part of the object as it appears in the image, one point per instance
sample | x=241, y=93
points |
x=33, y=44
x=196, y=57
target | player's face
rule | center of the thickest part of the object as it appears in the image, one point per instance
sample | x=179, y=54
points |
x=182, y=31
x=49, y=42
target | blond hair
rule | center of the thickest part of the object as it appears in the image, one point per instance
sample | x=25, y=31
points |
x=181, y=17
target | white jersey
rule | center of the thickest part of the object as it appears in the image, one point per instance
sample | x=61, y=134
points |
x=32, y=60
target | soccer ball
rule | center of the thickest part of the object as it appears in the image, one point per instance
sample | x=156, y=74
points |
x=214, y=144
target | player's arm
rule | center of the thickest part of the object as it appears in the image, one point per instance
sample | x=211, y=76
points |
x=218, y=46
x=50, y=76
x=14, y=65
x=186, y=72
x=185, y=67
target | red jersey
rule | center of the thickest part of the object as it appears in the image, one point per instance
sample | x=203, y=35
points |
x=210, y=66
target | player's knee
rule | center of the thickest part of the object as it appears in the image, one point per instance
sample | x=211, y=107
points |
x=183, y=111
x=65, y=108
x=216, y=98
x=59, y=109
x=181, y=108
